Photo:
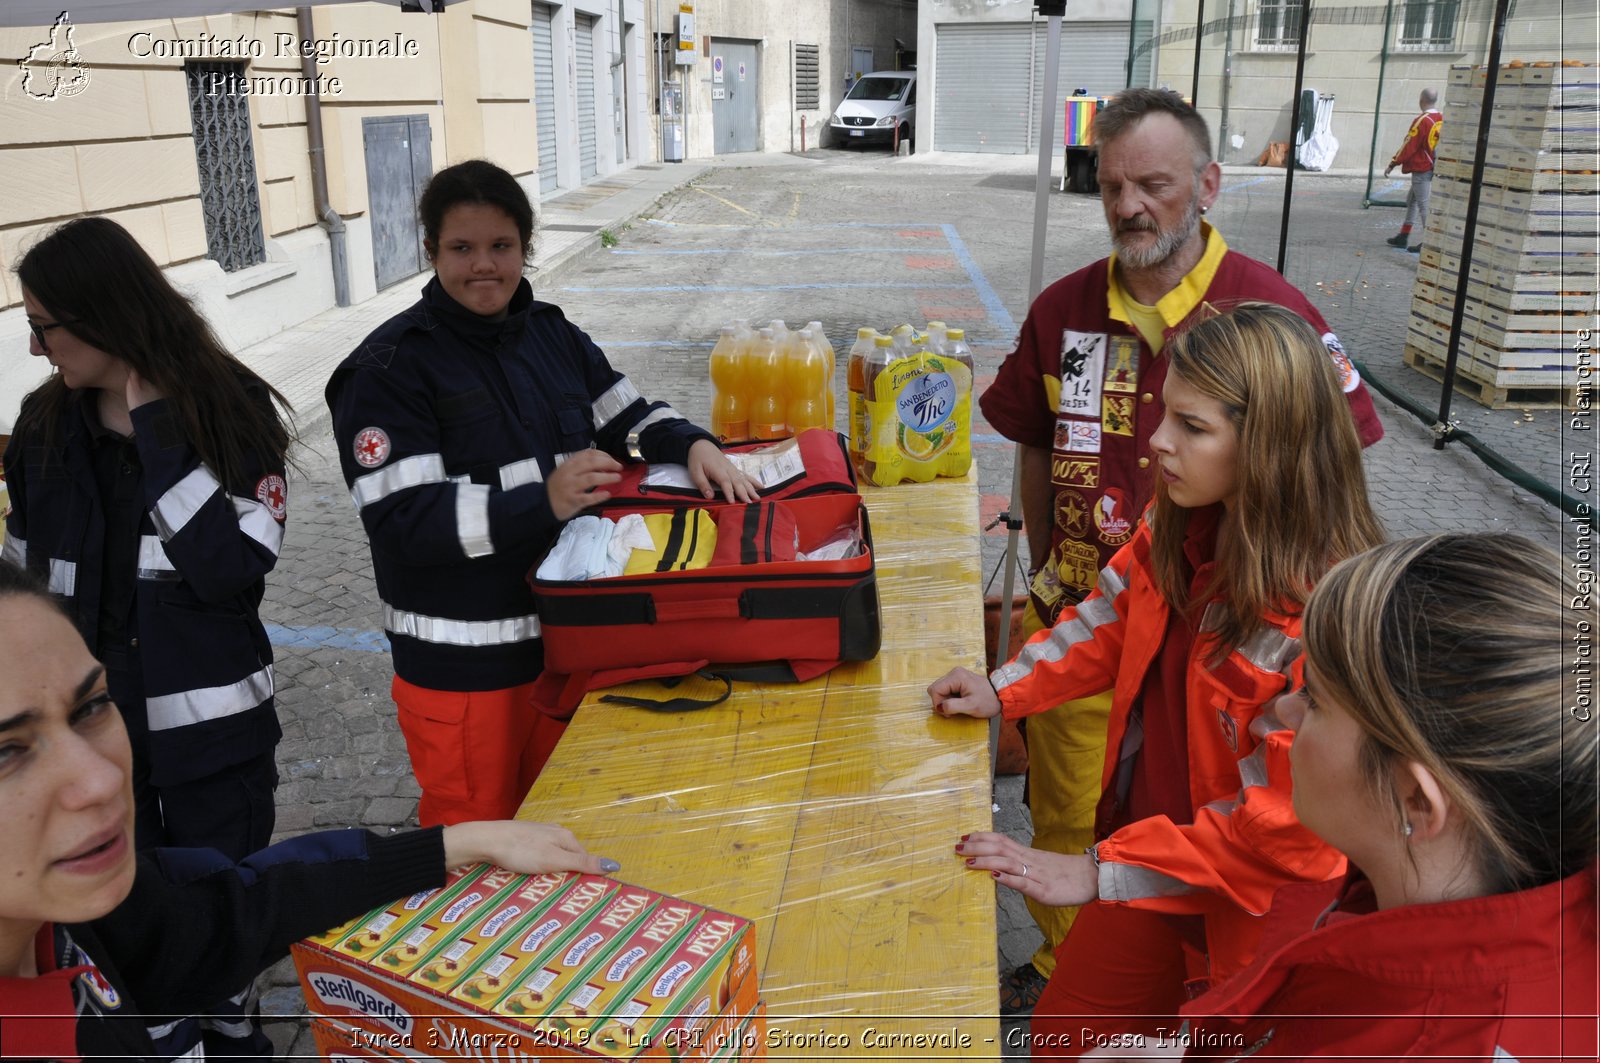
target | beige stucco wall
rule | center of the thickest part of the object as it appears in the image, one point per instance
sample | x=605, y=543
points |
x=1344, y=57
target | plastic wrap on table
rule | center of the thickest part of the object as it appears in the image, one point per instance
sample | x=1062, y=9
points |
x=827, y=811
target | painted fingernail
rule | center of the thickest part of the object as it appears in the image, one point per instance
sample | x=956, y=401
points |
x=971, y=860
x=608, y=866
x=994, y=874
x=964, y=837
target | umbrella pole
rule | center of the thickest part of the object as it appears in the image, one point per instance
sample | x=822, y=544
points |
x=1041, y=215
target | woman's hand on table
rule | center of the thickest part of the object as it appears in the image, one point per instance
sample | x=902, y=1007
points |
x=1056, y=879
x=528, y=848
x=712, y=472
x=576, y=484
x=962, y=693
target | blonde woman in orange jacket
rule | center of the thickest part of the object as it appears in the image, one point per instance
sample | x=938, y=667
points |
x=1195, y=630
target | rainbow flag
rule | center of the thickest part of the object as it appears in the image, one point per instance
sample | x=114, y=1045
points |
x=1080, y=114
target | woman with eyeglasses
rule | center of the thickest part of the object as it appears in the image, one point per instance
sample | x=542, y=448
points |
x=147, y=484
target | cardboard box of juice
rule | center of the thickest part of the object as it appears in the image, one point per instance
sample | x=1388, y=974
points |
x=338, y=1043
x=498, y=965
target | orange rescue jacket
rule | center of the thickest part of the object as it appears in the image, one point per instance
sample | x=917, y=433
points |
x=1245, y=840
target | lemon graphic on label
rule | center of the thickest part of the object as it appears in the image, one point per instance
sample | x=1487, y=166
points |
x=922, y=446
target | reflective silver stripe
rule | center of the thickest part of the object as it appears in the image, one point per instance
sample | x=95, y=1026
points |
x=209, y=703
x=14, y=550
x=1124, y=882
x=63, y=577
x=516, y=474
x=1502, y=1056
x=1112, y=583
x=164, y=1030
x=182, y=501
x=1270, y=649
x=1091, y=613
x=472, y=519
x=460, y=632
x=562, y=459
x=410, y=472
x=617, y=398
x=1253, y=769
x=1221, y=808
x=154, y=563
x=666, y=413
x=257, y=521
x=238, y=1028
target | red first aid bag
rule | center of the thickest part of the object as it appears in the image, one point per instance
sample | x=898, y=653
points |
x=791, y=619
x=815, y=462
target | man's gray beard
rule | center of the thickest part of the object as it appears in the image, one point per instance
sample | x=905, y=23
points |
x=1166, y=244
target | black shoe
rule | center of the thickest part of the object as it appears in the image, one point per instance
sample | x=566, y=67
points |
x=1020, y=989
x=1415, y=249
x=1397, y=241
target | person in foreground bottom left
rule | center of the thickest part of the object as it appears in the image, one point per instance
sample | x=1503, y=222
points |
x=96, y=941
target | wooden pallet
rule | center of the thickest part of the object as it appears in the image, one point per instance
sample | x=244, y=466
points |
x=1529, y=397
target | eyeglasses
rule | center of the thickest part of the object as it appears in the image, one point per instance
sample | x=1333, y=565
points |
x=40, y=330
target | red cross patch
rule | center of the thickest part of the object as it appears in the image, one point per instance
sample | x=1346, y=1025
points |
x=273, y=493
x=372, y=447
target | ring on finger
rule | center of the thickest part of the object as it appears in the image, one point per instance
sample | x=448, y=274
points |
x=1024, y=870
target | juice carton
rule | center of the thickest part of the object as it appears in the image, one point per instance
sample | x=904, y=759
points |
x=365, y=937
x=675, y=1004
x=510, y=912
x=536, y=991
x=604, y=995
x=534, y=942
x=408, y=952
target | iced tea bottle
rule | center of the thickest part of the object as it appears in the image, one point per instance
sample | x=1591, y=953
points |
x=855, y=387
x=935, y=333
x=876, y=431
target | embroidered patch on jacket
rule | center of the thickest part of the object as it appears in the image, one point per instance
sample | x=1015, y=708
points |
x=1122, y=375
x=1072, y=514
x=1230, y=730
x=1078, y=565
x=1117, y=415
x=1075, y=472
x=1113, y=516
x=372, y=447
x=1348, y=377
x=1077, y=437
x=273, y=493
x=1083, y=364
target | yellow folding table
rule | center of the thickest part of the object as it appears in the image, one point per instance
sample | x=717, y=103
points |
x=827, y=812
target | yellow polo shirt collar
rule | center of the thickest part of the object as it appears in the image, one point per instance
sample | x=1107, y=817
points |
x=1179, y=303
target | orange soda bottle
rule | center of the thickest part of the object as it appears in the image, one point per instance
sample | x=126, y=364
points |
x=768, y=397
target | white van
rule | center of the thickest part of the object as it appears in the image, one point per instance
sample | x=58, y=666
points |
x=876, y=105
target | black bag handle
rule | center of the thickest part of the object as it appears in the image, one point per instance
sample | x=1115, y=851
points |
x=772, y=672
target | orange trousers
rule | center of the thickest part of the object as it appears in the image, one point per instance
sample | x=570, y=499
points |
x=475, y=753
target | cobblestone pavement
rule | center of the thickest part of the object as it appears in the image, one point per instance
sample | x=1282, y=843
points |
x=848, y=239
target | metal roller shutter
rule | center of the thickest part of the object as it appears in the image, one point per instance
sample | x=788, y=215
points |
x=984, y=80
x=544, y=95
x=1094, y=56
x=584, y=46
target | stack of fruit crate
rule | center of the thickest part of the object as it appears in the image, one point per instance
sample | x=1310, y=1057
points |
x=1534, y=267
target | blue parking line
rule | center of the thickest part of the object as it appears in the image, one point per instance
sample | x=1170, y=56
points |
x=991, y=302
x=1247, y=184
x=323, y=637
